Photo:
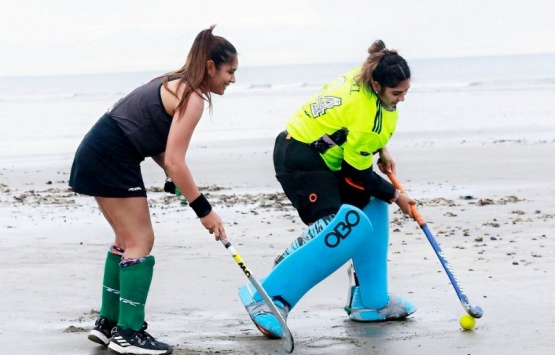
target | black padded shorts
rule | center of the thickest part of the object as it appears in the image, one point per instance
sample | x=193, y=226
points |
x=313, y=189
x=310, y=185
x=106, y=164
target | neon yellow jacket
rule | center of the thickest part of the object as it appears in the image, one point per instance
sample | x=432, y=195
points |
x=341, y=107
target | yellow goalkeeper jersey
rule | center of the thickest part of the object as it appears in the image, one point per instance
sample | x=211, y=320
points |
x=344, y=121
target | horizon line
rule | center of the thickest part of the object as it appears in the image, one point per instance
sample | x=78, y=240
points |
x=269, y=65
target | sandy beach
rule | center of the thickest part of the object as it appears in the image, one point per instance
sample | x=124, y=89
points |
x=488, y=200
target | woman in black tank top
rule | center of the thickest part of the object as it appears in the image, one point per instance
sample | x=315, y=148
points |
x=155, y=120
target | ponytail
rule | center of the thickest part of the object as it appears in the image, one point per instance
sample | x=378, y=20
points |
x=194, y=73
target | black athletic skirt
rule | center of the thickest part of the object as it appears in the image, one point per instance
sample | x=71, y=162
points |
x=106, y=164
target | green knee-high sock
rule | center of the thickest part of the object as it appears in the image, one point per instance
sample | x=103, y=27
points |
x=134, y=283
x=110, y=288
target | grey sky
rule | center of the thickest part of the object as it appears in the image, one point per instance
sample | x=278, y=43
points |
x=73, y=36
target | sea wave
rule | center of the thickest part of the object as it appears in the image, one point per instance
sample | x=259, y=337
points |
x=274, y=86
x=102, y=93
x=517, y=83
x=487, y=85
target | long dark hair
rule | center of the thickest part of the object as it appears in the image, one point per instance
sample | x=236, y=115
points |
x=193, y=73
x=385, y=66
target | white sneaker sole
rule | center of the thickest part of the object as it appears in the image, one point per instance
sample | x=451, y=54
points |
x=98, y=337
x=134, y=350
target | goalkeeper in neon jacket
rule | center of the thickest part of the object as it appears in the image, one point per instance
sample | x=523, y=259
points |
x=324, y=161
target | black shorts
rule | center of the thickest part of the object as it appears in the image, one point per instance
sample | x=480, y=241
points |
x=106, y=164
x=313, y=189
x=306, y=180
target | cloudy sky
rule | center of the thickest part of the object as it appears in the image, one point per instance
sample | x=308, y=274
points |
x=40, y=37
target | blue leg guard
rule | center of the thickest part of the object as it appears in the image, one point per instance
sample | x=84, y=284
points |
x=309, y=234
x=369, y=300
x=301, y=270
x=370, y=260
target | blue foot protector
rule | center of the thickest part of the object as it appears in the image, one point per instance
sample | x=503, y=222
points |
x=261, y=314
x=396, y=308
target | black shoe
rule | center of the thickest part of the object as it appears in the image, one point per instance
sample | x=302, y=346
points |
x=102, y=331
x=126, y=341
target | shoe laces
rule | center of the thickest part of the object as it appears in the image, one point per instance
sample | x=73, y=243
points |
x=144, y=336
x=260, y=307
x=102, y=322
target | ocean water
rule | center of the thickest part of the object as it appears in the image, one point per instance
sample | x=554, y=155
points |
x=45, y=117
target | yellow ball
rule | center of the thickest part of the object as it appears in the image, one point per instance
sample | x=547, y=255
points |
x=467, y=322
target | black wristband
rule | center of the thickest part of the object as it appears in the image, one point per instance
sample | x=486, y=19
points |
x=169, y=186
x=201, y=206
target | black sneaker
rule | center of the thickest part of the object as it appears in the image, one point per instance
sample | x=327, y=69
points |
x=102, y=331
x=126, y=341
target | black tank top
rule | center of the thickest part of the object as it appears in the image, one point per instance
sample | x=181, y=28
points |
x=143, y=119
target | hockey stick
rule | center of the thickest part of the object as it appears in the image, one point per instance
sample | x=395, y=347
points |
x=288, y=344
x=476, y=311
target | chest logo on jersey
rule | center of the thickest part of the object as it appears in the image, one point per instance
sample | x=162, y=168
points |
x=322, y=104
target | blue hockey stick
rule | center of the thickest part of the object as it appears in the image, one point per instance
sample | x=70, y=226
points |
x=474, y=311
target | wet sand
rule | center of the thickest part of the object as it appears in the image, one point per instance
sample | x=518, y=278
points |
x=488, y=201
